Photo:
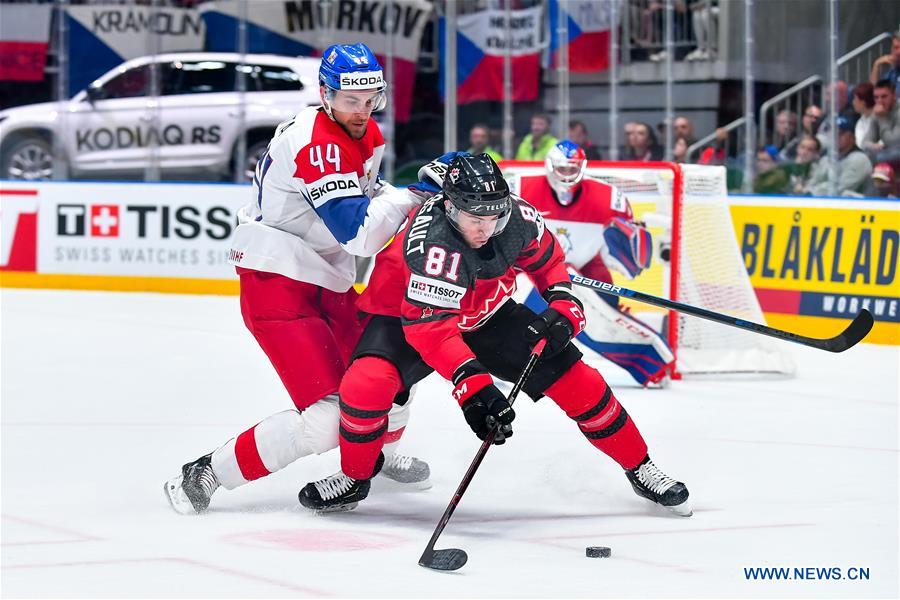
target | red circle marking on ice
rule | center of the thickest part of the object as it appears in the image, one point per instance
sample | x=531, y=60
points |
x=314, y=540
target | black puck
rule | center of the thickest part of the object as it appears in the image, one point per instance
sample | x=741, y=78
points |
x=597, y=552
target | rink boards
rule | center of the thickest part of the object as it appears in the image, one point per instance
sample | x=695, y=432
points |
x=814, y=262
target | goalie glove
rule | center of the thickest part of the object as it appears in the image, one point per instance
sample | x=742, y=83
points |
x=560, y=322
x=431, y=176
x=628, y=248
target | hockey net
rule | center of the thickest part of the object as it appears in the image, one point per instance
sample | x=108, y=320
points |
x=686, y=209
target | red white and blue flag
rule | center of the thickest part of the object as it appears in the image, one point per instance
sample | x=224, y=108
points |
x=481, y=40
x=24, y=38
x=589, y=24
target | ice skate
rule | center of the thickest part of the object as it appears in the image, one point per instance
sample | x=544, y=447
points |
x=336, y=493
x=191, y=491
x=409, y=471
x=654, y=485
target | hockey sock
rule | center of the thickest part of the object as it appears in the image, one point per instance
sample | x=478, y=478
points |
x=367, y=391
x=585, y=396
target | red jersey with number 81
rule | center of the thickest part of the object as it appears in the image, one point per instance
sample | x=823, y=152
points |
x=440, y=286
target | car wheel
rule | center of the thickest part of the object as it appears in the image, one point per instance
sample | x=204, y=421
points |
x=30, y=159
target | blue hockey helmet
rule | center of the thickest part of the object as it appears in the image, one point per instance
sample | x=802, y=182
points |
x=352, y=68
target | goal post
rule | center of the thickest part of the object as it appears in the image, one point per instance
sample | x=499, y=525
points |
x=686, y=209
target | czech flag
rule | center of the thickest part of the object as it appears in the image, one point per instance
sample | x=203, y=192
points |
x=590, y=22
x=480, y=44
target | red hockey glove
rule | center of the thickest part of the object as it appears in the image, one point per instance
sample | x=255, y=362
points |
x=482, y=403
x=560, y=322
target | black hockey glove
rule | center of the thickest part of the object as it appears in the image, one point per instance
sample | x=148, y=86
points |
x=482, y=403
x=560, y=322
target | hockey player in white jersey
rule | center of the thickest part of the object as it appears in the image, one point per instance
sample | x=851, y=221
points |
x=594, y=223
x=316, y=204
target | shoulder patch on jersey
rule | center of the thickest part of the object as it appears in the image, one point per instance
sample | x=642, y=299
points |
x=434, y=291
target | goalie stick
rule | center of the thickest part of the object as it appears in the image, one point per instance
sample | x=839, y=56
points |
x=852, y=335
x=451, y=559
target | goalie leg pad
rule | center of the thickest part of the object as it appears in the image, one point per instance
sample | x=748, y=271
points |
x=367, y=393
x=623, y=339
x=276, y=442
x=587, y=399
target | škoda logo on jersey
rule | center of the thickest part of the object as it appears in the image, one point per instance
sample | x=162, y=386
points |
x=362, y=81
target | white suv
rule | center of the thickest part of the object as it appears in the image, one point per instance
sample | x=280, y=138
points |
x=190, y=127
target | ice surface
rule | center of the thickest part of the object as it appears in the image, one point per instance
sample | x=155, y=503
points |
x=105, y=395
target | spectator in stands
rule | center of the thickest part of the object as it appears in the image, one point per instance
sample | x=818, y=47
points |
x=883, y=139
x=705, y=19
x=863, y=104
x=684, y=128
x=885, y=183
x=578, y=133
x=892, y=61
x=844, y=109
x=785, y=129
x=854, y=168
x=812, y=116
x=717, y=152
x=679, y=149
x=807, y=164
x=642, y=144
x=769, y=178
x=479, y=136
x=536, y=144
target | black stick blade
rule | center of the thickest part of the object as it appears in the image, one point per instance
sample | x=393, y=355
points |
x=449, y=559
x=855, y=332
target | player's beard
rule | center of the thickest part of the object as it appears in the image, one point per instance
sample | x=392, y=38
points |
x=353, y=130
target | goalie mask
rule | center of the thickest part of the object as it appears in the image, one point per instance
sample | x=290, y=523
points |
x=565, y=165
x=475, y=185
x=352, y=78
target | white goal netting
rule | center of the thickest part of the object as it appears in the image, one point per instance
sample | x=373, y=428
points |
x=704, y=260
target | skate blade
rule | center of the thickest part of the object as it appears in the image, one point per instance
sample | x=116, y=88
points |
x=337, y=509
x=682, y=510
x=178, y=500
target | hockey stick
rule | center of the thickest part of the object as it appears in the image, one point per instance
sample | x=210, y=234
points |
x=451, y=559
x=853, y=334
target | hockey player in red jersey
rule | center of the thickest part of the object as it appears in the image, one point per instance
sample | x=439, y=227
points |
x=440, y=297
x=594, y=224
x=316, y=204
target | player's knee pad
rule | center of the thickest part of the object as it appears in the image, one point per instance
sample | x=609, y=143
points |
x=370, y=384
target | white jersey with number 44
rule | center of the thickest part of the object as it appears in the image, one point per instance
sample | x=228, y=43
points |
x=317, y=202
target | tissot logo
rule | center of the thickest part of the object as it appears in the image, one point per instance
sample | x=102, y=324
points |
x=143, y=221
